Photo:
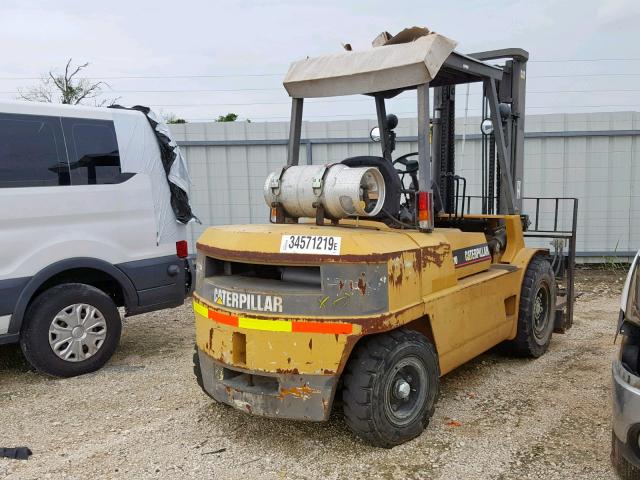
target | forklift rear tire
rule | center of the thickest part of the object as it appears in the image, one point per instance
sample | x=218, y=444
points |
x=537, y=310
x=390, y=387
x=197, y=371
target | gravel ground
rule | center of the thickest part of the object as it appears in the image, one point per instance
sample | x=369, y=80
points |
x=143, y=416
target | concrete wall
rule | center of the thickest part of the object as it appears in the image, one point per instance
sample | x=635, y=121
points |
x=594, y=157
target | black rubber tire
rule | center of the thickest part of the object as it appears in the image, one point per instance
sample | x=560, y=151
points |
x=34, y=337
x=369, y=373
x=539, y=275
x=197, y=371
x=625, y=469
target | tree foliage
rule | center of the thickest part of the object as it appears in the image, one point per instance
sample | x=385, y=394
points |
x=173, y=118
x=229, y=117
x=67, y=88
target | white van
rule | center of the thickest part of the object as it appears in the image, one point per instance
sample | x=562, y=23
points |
x=93, y=208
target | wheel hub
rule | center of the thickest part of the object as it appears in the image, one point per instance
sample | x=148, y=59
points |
x=537, y=307
x=405, y=390
x=402, y=389
x=540, y=311
x=77, y=332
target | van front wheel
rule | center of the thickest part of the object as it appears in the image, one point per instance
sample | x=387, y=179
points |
x=71, y=329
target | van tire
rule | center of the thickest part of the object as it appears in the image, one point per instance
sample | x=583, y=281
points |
x=35, y=334
x=624, y=468
x=378, y=365
x=533, y=335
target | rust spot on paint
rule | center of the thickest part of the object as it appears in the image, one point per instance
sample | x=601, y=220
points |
x=288, y=371
x=396, y=274
x=310, y=343
x=289, y=360
x=434, y=254
x=362, y=284
x=341, y=285
x=210, y=344
x=303, y=392
x=328, y=372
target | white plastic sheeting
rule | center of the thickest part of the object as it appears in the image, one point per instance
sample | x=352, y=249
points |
x=139, y=153
x=178, y=174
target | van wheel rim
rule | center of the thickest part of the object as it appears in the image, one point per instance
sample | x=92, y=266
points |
x=77, y=332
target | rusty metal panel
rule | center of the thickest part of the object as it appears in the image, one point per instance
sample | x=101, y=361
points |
x=345, y=290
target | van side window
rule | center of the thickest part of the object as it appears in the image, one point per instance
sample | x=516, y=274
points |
x=93, y=151
x=31, y=151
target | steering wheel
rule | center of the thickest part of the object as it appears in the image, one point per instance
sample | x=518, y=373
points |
x=410, y=166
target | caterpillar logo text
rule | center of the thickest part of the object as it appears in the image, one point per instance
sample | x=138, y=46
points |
x=470, y=255
x=247, y=301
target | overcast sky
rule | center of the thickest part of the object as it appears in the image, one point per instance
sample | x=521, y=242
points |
x=232, y=55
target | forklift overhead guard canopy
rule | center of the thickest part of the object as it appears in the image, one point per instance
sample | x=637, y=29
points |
x=378, y=69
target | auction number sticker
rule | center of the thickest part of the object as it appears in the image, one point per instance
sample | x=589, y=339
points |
x=310, y=244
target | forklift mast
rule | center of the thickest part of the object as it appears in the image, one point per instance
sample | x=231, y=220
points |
x=503, y=149
x=437, y=195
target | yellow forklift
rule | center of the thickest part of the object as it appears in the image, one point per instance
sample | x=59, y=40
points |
x=373, y=278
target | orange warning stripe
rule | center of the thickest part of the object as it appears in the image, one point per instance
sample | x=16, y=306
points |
x=275, y=325
x=231, y=320
x=322, y=327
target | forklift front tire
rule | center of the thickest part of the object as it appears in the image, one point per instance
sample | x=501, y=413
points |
x=537, y=310
x=391, y=386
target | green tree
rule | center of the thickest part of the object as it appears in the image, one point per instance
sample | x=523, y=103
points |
x=67, y=88
x=173, y=118
x=229, y=117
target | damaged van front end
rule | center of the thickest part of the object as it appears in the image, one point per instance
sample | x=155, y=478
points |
x=625, y=453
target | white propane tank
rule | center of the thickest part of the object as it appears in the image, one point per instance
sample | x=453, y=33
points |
x=342, y=191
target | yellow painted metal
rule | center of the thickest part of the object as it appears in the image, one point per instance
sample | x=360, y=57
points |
x=267, y=351
x=365, y=239
x=200, y=309
x=266, y=325
x=470, y=318
x=464, y=310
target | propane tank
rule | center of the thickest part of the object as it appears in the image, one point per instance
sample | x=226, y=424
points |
x=342, y=191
